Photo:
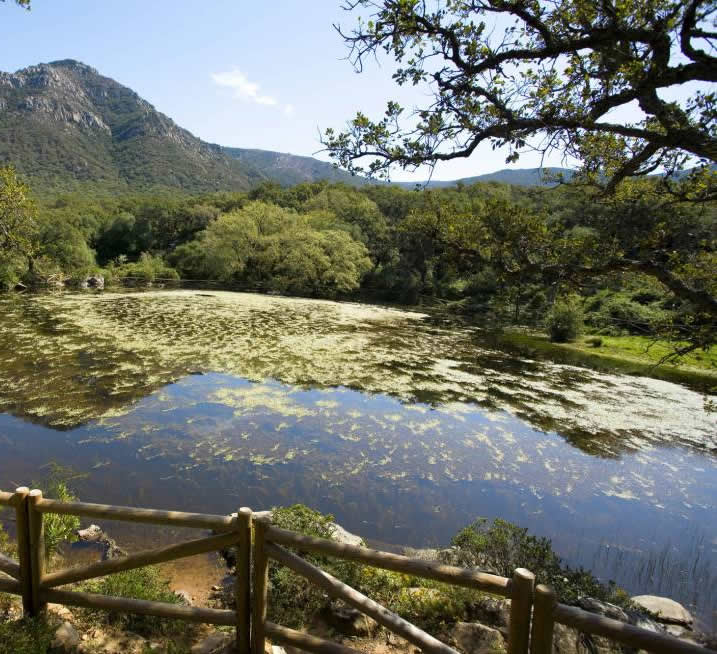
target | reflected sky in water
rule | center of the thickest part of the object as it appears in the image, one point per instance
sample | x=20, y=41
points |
x=404, y=429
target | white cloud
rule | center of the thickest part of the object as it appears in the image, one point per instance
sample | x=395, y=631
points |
x=289, y=110
x=243, y=88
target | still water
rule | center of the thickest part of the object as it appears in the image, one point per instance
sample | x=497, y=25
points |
x=403, y=428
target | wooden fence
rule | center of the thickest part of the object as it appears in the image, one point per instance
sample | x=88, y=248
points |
x=533, y=612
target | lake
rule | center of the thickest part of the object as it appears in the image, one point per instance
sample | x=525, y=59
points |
x=404, y=427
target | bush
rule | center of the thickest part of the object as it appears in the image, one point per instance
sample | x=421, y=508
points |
x=58, y=528
x=502, y=547
x=294, y=600
x=565, y=319
x=594, y=341
x=143, y=584
x=147, y=269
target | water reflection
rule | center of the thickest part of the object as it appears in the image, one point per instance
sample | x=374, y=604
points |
x=71, y=359
x=404, y=430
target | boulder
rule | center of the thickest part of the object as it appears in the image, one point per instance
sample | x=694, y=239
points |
x=666, y=610
x=567, y=640
x=96, y=281
x=95, y=534
x=636, y=618
x=348, y=620
x=493, y=612
x=61, y=612
x=91, y=534
x=603, y=608
x=66, y=639
x=444, y=555
x=213, y=644
x=339, y=534
x=476, y=638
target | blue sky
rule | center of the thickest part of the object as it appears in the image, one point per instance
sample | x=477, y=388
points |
x=245, y=73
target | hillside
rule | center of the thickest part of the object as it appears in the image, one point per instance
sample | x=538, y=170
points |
x=289, y=169
x=517, y=177
x=63, y=124
x=67, y=127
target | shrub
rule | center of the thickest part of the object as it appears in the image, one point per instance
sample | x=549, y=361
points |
x=294, y=600
x=143, y=584
x=502, y=547
x=147, y=269
x=594, y=341
x=565, y=319
x=58, y=528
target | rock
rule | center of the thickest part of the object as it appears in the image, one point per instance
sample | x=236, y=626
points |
x=567, y=640
x=344, y=537
x=91, y=534
x=348, y=620
x=212, y=644
x=603, y=608
x=476, y=638
x=636, y=618
x=184, y=596
x=96, y=281
x=95, y=534
x=494, y=612
x=66, y=639
x=216, y=588
x=61, y=612
x=666, y=610
x=429, y=554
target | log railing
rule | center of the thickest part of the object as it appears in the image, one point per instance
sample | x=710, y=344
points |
x=533, y=611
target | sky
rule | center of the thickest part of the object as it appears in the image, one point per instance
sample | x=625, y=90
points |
x=267, y=74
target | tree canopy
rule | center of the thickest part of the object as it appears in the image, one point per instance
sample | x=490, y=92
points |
x=620, y=86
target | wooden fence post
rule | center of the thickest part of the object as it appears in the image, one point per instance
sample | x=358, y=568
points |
x=242, y=581
x=541, y=637
x=23, y=548
x=37, y=550
x=521, y=604
x=261, y=586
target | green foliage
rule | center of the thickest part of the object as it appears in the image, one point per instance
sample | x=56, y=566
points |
x=293, y=600
x=147, y=269
x=144, y=584
x=17, y=226
x=565, y=319
x=486, y=85
x=620, y=313
x=279, y=248
x=29, y=636
x=58, y=528
x=502, y=546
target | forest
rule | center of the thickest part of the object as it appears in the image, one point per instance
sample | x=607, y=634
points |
x=637, y=262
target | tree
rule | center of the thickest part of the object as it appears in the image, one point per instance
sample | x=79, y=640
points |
x=18, y=225
x=287, y=251
x=564, y=75
x=509, y=72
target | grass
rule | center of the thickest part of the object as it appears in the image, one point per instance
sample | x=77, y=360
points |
x=26, y=636
x=644, y=350
x=630, y=354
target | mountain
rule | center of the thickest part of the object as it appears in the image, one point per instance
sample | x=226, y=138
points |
x=515, y=176
x=66, y=126
x=289, y=169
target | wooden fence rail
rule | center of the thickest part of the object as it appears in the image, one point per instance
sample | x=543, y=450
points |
x=533, y=613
